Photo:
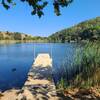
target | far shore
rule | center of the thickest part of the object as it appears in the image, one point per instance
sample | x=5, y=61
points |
x=21, y=41
x=37, y=41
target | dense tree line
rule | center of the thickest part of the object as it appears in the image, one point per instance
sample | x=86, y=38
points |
x=87, y=30
x=12, y=36
x=20, y=36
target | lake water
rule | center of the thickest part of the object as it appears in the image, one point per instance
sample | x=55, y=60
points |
x=21, y=57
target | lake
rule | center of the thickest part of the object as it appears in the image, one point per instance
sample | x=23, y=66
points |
x=21, y=56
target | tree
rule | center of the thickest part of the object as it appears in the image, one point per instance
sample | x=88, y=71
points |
x=1, y=36
x=86, y=34
x=17, y=36
x=38, y=5
x=87, y=30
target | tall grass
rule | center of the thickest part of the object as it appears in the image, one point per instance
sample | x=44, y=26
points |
x=86, y=67
x=88, y=62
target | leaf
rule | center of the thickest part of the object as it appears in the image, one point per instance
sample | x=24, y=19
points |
x=6, y=6
x=33, y=12
x=40, y=13
x=9, y=1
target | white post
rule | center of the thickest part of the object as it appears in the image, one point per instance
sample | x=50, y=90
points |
x=34, y=51
x=51, y=49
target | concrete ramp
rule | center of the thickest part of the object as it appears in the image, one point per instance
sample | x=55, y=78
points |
x=39, y=82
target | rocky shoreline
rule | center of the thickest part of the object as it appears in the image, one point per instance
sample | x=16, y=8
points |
x=68, y=94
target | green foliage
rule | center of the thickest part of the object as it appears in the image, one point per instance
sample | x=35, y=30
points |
x=1, y=37
x=17, y=36
x=88, y=61
x=88, y=30
x=20, y=36
x=86, y=68
x=62, y=84
x=39, y=5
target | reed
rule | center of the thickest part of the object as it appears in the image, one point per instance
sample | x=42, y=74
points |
x=85, y=70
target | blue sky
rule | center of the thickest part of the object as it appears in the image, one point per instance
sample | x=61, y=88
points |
x=19, y=18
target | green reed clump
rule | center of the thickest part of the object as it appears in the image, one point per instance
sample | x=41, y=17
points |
x=88, y=63
x=85, y=70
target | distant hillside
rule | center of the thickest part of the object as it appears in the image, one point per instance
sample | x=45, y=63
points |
x=14, y=36
x=87, y=30
x=20, y=36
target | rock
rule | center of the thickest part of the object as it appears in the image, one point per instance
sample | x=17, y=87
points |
x=88, y=97
x=1, y=94
x=9, y=95
x=41, y=97
x=28, y=95
x=14, y=69
x=20, y=97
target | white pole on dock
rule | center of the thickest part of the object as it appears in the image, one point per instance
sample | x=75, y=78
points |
x=34, y=51
x=51, y=49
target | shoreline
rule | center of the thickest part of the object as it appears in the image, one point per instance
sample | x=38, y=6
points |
x=21, y=41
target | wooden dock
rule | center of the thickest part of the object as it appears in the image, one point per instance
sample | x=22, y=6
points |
x=39, y=84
